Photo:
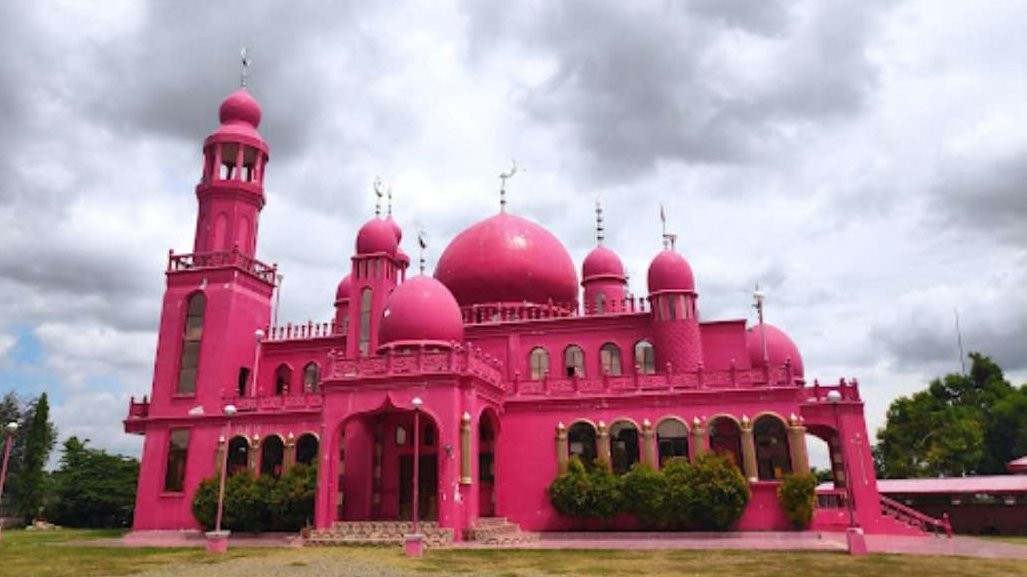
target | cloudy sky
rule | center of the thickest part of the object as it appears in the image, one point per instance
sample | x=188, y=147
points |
x=864, y=161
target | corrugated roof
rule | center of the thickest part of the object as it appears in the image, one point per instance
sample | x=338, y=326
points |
x=982, y=484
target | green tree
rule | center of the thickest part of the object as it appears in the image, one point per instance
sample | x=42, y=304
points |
x=93, y=488
x=960, y=425
x=31, y=480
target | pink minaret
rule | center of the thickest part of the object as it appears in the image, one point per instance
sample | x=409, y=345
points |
x=672, y=298
x=602, y=276
x=377, y=270
x=231, y=189
x=219, y=296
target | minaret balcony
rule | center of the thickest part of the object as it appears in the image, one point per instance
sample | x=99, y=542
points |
x=222, y=259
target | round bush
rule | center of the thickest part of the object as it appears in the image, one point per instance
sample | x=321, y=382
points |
x=797, y=496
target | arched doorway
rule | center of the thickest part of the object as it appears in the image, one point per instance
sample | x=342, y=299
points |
x=726, y=439
x=238, y=455
x=306, y=449
x=272, y=456
x=376, y=466
x=623, y=446
x=773, y=460
x=488, y=431
x=671, y=440
x=581, y=441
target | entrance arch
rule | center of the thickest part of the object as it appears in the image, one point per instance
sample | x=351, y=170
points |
x=488, y=436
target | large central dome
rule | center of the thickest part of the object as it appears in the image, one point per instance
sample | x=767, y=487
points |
x=508, y=259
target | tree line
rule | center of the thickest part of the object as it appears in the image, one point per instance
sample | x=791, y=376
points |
x=89, y=487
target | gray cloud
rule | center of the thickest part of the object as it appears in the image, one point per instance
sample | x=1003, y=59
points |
x=986, y=196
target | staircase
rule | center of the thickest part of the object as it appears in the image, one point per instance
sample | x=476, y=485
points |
x=914, y=519
x=378, y=533
x=498, y=531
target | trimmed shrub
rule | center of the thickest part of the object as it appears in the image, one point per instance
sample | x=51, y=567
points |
x=292, y=499
x=604, y=495
x=677, y=500
x=719, y=492
x=643, y=493
x=797, y=496
x=569, y=492
x=259, y=504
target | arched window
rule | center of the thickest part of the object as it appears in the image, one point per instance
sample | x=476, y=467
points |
x=671, y=440
x=364, y=339
x=623, y=446
x=726, y=439
x=283, y=378
x=773, y=460
x=600, y=303
x=311, y=377
x=539, y=360
x=306, y=449
x=192, y=336
x=645, y=359
x=238, y=455
x=609, y=357
x=581, y=441
x=574, y=361
x=272, y=455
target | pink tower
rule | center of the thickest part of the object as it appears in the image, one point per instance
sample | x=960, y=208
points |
x=216, y=299
x=377, y=270
x=672, y=300
x=602, y=276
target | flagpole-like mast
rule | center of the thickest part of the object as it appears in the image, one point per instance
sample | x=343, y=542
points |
x=959, y=340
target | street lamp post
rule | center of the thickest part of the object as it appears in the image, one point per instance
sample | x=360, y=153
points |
x=258, y=335
x=413, y=544
x=12, y=427
x=854, y=534
x=217, y=540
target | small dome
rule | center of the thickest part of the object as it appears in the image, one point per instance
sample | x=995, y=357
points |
x=508, y=259
x=421, y=310
x=240, y=107
x=669, y=271
x=395, y=228
x=403, y=258
x=343, y=291
x=780, y=348
x=376, y=236
x=602, y=263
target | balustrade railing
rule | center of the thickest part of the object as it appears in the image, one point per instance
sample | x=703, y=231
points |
x=233, y=258
x=310, y=330
x=846, y=391
x=138, y=409
x=639, y=381
x=458, y=359
x=276, y=402
x=912, y=517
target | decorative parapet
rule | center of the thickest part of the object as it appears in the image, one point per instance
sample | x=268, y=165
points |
x=299, y=332
x=845, y=391
x=514, y=312
x=138, y=409
x=228, y=258
x=276, y=403
x=699, y=379
x=458, y=359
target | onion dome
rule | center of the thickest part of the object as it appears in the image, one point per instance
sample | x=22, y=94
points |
x=508, y=259
x=669, y=271
x=240, y=107
x=395, y=228
x=343, y=291
x=421, y=310
x=602, y=263
x=376, y=236
x=780, y=348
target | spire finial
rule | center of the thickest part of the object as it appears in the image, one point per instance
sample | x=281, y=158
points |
x=244, y=55
x=422, y=241
x=599, y=223
x=389, y=201
x=503, y=176
x=378, y=192
x=668, y=238
x=757, y=297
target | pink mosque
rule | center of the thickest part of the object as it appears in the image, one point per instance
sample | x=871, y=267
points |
x=513, y=366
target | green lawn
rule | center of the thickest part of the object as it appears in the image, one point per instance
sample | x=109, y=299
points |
x=68, y=553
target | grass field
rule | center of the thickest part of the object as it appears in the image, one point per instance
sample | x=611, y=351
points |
x=68, y=553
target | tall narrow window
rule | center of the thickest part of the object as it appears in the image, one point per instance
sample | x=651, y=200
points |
x=244, y=377
x=272, y=456
x=600, y=303
x=364, y=340
x=306, y=449
x=192, y=336
x=539, y=360
x=311, y=378
x=283, y=378
x=178, y=452
x=574, y=361
x=609, y=357
x=644, y=357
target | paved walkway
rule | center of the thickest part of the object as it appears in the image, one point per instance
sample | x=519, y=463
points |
x=750, y=541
